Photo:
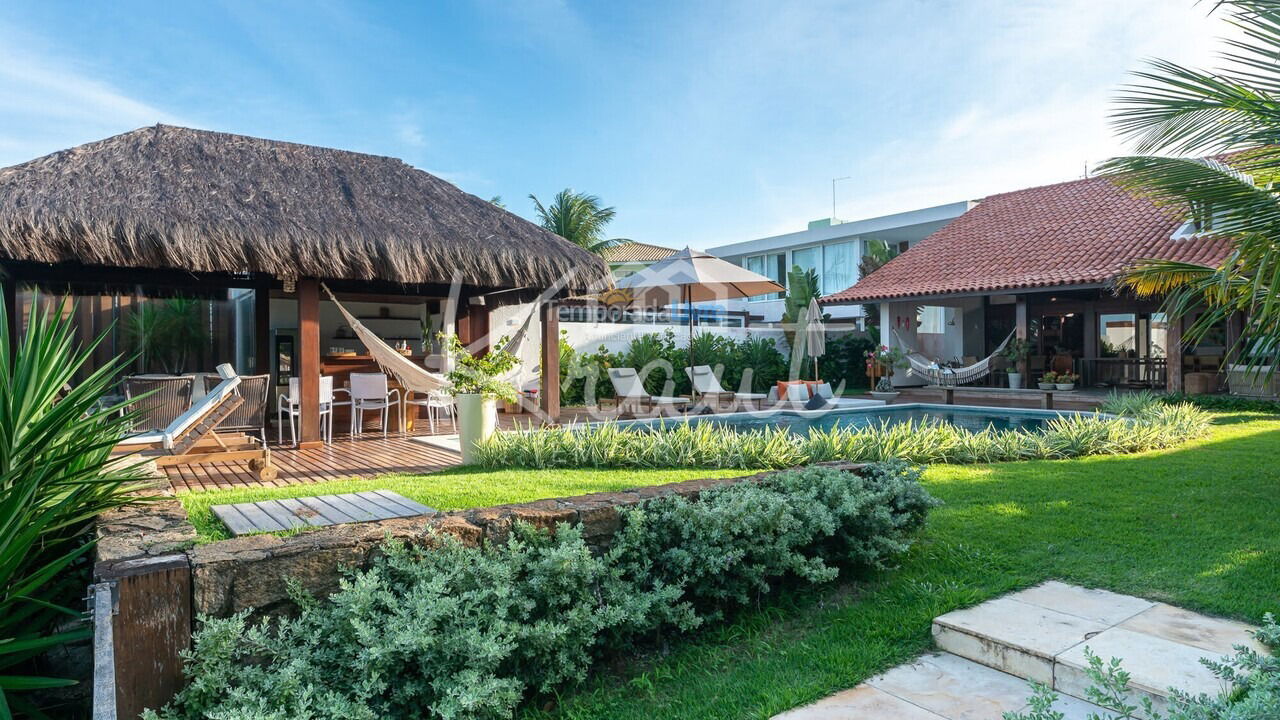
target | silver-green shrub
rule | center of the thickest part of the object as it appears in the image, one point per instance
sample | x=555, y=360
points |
x=1148, y=426
x=461, y=633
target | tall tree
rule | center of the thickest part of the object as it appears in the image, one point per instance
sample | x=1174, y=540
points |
x=875, y=254
x=1232, y=116
x=578, y=218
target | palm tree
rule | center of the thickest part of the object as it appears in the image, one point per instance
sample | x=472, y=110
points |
x=875, y=254
x=578, y=218
x=1226, y=126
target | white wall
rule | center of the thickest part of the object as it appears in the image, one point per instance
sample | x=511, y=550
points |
x=588, y=337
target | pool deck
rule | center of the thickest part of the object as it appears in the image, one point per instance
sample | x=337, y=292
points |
x=370, y=454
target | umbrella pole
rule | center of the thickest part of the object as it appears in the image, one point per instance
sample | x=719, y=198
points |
x=688, y=299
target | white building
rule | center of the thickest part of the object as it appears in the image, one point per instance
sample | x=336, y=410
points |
x=832, y=250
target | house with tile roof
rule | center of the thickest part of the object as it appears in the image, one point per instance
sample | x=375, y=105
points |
x=1041, y=263
x=629, y=257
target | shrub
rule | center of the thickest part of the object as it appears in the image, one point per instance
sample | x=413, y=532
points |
x=1256, y=678
x=708, y=445
x=55, y=477
x=456, y=632
x=1230, y=403
x=584, y=376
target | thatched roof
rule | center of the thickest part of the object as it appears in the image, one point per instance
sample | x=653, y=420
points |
x=168, y=197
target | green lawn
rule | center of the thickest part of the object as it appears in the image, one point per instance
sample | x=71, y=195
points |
x=453, y=489
x=1197, y=526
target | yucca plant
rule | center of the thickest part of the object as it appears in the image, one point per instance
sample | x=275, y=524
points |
x=56, y=475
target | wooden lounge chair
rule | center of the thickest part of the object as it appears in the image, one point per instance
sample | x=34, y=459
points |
x=708, y=386
x=630, y=395
x=192, y=437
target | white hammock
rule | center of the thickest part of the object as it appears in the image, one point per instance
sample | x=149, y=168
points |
x=946, y=376
x=411, y=376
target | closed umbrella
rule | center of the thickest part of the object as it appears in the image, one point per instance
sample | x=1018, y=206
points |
x=815, y=334
x=700, y=278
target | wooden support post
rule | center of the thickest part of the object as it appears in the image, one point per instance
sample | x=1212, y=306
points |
x=1022, y=331
x=1173, y=354
x=549, y=388
x=309, y=362
x=262, y=329
x=12, y=315
x=478, y=325
x=150, y=628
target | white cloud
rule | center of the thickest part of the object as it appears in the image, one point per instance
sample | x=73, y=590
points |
x=45, y=100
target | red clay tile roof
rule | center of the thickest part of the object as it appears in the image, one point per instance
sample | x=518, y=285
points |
x=1074, y=233
x=632, y=251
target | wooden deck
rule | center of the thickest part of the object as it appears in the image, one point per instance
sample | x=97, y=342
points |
x=368, y=456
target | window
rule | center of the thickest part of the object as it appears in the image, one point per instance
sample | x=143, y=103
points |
x=808, y=259
x=933, y=319
x=1117, y=334
x=772, y=266
x=838, y=267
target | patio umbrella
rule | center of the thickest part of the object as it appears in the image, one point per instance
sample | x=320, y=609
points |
x=815, y=334
x=700, y=278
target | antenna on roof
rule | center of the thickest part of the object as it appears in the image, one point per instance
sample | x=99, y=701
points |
x=834, y=221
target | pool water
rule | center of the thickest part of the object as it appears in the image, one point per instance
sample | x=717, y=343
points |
x=968, y=418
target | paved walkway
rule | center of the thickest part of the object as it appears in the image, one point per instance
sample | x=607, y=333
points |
x=989, y=652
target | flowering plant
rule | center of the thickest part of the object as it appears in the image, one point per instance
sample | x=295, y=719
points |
x=1050, y=377
x=887, y=357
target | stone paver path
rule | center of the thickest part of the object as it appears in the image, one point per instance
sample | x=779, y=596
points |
x=990, y=651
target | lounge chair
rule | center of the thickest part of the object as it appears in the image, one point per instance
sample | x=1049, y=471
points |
x=155, y=400
x=708, y=386
x=192, y=437
x=630, y=396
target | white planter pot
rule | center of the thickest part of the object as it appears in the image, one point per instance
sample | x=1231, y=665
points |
x=1066, y=386
x=883, y=395
x=1048, y=386
x=477, y=420
x=1015, y=380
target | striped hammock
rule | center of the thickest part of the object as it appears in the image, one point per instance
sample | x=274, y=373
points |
x=936, y=374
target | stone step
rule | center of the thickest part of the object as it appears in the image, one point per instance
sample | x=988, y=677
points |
x=1041, y=634
x=937, y=686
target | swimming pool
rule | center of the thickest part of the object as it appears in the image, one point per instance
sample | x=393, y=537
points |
x=968, y=417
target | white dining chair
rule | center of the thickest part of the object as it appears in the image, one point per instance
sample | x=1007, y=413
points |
x=291, y=405
x=435, y=403
x=370, y=392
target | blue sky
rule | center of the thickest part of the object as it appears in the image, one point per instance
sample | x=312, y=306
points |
x=701, y=122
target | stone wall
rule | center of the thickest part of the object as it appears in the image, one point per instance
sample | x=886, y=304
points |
x=249, y=572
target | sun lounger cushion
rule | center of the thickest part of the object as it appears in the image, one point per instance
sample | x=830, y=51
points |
x=626, y=383
x=662, y=400
x=823, y=390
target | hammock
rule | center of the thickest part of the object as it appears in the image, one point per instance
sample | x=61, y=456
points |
x=946, y=376
x=411, y=376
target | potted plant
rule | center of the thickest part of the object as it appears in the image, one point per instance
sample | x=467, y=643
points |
x=884, y=389
x=475, y=383
x=1067, y=381
x=1015, y=352
x=1049, y=380
x=885, y=360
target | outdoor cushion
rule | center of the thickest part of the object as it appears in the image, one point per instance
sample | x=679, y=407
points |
x=823, y=390
x=785, y=392
x=817, y=402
